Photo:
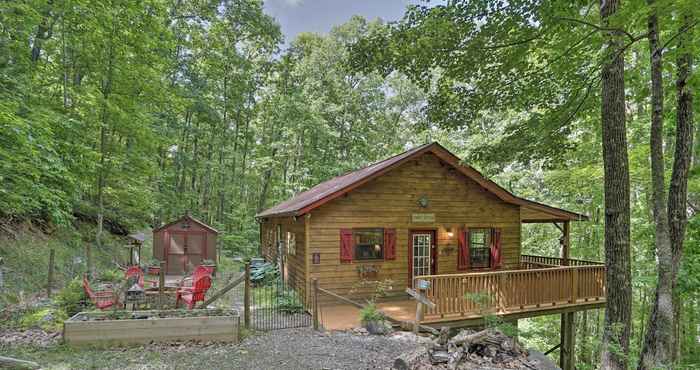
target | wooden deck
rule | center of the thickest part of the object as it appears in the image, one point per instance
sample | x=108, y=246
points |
x=543, y=285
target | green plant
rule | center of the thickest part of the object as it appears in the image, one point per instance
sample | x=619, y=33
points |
x=71, y=299
x=208, y=262
x=289, y=303
x=49, y=319
x=112, y=275
x=370, y=313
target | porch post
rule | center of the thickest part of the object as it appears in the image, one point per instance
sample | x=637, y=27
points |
x=568, y=345
x=565, y=243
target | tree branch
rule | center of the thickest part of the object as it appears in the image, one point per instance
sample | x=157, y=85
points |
x=599, y=28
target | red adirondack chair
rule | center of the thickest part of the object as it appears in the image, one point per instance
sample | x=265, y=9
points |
x=200, y=283
x=135, y=271
x=102, y=299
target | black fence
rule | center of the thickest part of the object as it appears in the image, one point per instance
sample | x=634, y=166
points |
x=275, y=305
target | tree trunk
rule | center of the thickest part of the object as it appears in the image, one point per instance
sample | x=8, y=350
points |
x=618, y=310
x=678, y=190
x=657, y=345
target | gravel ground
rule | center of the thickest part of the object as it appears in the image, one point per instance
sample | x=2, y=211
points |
x=279, y=349
x=306, y=349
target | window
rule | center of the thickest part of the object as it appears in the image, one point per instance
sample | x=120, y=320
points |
x=479, y=248
x=369, y=244
x=291, y=243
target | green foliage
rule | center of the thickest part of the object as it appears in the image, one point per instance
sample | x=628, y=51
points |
x=370, y=313
x=289, y=302
x=111, y=275
x=72, y=298
x=48, y=319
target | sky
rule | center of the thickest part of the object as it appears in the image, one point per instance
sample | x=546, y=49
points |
x=320, y=16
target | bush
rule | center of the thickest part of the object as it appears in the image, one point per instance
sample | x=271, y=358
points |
x=111, y=276
x=289, y=303
x=48, y=319
x=72, y=299
x=370, y=313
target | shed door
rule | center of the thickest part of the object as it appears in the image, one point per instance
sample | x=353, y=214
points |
x=176, y=254
x=194, y=249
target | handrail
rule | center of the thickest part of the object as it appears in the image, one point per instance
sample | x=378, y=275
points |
x=513, y=290
x=557, y=261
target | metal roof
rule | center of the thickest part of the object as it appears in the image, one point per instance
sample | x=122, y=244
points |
x=328, y=190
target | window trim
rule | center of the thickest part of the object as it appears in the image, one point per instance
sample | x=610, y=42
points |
x=486, y=245
x=381, y=230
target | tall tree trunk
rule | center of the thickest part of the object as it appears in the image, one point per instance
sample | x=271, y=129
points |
x=656, y=351
x=678, y=190
x=618, y=309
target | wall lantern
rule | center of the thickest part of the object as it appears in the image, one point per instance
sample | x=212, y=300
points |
x=449, y=232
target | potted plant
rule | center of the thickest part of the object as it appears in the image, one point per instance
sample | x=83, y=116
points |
x=373, y=320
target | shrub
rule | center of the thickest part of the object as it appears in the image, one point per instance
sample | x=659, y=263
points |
x=72, y=298
x=370, y=313
x=111, y=275
x=289, y=303
x=49, y=319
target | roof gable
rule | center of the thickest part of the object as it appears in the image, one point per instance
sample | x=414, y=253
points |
x=189, y=218
x=328, y=190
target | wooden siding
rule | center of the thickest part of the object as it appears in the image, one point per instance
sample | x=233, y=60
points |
x=294, y=264
x=388, y=202
x=161, y=238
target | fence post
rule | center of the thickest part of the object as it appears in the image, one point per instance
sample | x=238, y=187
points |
x=316, y=318
x=246, y=297
x=49, y=282
x=161, y=285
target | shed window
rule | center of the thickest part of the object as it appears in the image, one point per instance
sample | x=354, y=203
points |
x=369, y=244
x=479, y=248
x=291, y=243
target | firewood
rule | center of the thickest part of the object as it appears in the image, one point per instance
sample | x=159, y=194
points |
x=444, y=335
x=467, y=338
x=455, y=358
x=411, y=360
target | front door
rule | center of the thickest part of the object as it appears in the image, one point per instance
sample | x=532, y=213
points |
x=422, y=258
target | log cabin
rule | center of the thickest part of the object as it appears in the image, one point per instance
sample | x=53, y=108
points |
x=424, y=215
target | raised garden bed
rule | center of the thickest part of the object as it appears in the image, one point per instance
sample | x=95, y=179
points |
x=126, y=327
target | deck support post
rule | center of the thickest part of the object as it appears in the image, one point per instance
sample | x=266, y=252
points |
x=161, y=286
x=568, y=344
x=315, y=303
x=246, y=297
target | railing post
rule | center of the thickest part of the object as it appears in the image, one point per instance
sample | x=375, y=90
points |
x=316, y=318
x=574, y=285
x=161, y=285
x=502, y=296
x=246, y=297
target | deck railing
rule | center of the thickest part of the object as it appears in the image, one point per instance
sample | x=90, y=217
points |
x=512, y=291
x=555, y=261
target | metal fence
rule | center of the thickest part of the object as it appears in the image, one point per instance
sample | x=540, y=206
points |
x=275, y=305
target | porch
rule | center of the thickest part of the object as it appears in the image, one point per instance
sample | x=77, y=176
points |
x=540, y=286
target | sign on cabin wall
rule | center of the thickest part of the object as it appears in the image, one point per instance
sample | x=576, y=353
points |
x=423, y=217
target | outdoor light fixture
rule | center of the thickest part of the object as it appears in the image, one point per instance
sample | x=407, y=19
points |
x=449, y=232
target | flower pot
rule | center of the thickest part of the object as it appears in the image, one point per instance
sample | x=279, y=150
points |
x=377, y=327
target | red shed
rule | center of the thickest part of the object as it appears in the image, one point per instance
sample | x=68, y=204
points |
x=183, y=244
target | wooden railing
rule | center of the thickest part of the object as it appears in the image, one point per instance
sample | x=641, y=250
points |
x=555, y=261
x=510, y=291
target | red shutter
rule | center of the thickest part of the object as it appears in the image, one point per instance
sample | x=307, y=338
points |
x=463, y=253
x=496, y=248
x=390, y=244
x=346, y=245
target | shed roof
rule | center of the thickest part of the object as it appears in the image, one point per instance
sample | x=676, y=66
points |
x=326, y=191
x=191, y=219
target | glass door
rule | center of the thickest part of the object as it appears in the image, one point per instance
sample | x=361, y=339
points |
x=421, y=247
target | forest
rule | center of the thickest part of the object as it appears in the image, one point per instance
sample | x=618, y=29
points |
x=117, y=116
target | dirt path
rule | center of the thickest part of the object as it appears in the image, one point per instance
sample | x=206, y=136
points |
x=280, y=349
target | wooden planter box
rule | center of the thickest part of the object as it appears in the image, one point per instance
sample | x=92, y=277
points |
x=90, y=328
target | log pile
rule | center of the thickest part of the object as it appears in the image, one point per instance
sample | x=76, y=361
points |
x=486, y=349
